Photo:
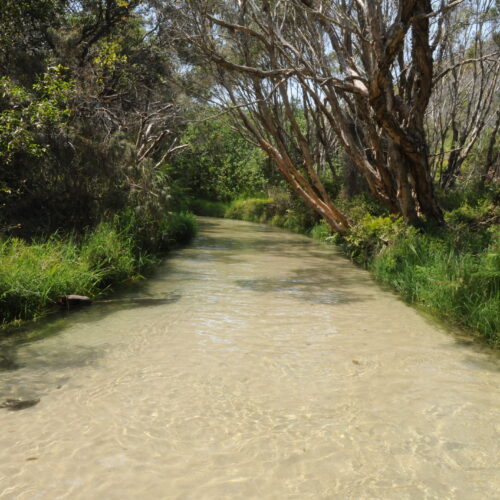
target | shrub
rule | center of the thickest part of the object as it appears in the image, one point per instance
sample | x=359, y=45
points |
x=177, y=228
x=321, y=232
x=208, y=208
x=370, y=234
x=252, y=209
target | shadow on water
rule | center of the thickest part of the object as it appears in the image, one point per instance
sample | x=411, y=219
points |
x=47, y=365
x=326, y=284
x=489, y=357
x=226, y=249
x=318, y=285
x=56, y=323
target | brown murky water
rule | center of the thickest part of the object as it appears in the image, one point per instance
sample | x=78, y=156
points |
x=256, y=365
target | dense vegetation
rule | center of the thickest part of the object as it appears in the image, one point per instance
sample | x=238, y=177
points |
x=117, y=116
x=34, y=275
x=90, y=113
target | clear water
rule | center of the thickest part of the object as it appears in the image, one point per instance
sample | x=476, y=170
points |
x=256, y=364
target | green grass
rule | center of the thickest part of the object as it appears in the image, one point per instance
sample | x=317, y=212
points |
x=33, y=275
x=457, y=285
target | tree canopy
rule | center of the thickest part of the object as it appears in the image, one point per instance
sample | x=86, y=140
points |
x=111, y=103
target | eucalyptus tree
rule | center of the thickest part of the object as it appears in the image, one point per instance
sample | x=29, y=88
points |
x=362, y=69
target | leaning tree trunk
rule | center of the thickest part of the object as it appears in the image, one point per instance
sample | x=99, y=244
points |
x=364, y=63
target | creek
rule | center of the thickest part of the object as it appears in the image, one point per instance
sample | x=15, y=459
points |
x=255, y=364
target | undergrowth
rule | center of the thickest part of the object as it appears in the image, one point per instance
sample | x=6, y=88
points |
x=34, y=274
x=452, y=272
x=280, y=210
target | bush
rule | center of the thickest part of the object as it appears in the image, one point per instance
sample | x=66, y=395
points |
x=177, y=228
x=321, y=232
x=473, y=195
x=219, y=163
x=208, y=208
x=252, y=210
x=370, y=234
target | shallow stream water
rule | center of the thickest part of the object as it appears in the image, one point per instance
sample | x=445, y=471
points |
x=256, y=364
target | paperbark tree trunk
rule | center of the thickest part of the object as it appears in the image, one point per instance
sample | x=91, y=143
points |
x=366, y=67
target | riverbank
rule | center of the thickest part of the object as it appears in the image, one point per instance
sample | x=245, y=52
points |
x=454, y=274
x=33, y=275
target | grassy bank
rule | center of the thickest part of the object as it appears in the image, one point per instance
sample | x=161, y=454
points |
x=34, y=274
x=453, y=273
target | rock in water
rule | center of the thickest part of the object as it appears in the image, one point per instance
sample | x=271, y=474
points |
x=74, y=300
x=18, y=404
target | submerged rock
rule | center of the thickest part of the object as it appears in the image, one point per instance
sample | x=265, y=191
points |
x=18, y=404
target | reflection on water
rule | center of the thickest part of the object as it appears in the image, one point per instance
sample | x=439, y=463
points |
x=255, y=364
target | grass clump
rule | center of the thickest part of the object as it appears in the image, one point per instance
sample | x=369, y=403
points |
x=110, y=253
x=34, y=274
x=177, y=230
x=461, y=286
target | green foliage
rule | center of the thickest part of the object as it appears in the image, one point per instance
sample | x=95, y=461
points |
x=15, y=132
x=281, y=210
x=208, y=208
x=178, y=228
x=155, y=234
x=88, y=111
x=251, y=209
x=477, y=213
x=370, y=234
x=27, y=27
x=460, y=286
x=110, y=252
x=219, y=164
x=33, y=276
x=25, y=115
x=321, y=232
x=53, y=93
x=472, y=195
x=360, y=206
